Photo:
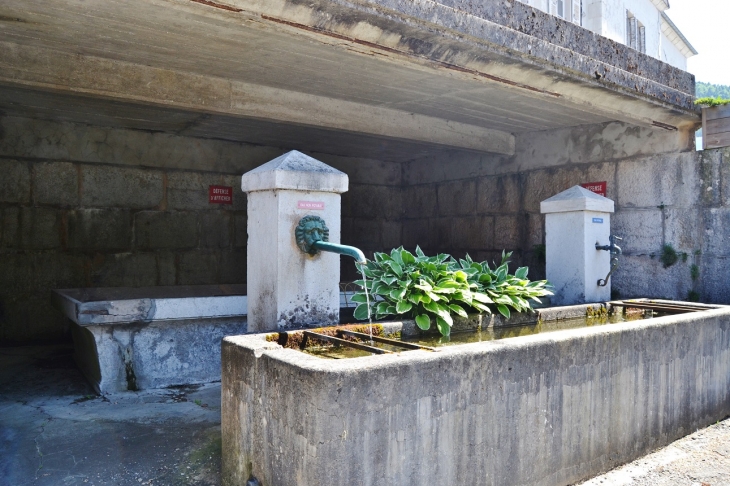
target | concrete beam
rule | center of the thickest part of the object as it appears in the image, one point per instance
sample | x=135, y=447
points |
x=53, y=70
x=506, y=43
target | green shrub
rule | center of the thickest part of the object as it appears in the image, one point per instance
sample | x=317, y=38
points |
x=710, y=102
x=669, y=255
x=432, y=289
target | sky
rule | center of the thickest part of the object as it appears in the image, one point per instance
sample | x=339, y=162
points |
x=706, y=25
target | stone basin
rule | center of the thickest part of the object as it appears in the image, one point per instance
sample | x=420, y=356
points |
x=545, y=409
x=154, y=337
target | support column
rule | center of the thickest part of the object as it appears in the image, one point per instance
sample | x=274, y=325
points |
x=287, y=287
x=575, y=221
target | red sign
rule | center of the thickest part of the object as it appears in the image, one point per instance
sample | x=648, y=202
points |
x=310, y=205
x=597, y=187
x=220, y=195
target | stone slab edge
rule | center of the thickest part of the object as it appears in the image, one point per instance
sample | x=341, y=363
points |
x=510, y=29
x=260, y=346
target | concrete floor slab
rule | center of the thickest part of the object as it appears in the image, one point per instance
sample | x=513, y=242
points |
x=55, y=431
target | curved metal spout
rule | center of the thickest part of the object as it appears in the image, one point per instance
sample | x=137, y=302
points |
x=341, y=249
x=615, y=251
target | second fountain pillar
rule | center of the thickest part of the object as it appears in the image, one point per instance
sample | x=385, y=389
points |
x=576, y=222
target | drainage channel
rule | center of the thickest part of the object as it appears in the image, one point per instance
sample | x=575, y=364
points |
x=662, y=307
x=365, y=337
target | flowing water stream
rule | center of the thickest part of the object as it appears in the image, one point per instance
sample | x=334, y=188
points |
x=367, y=299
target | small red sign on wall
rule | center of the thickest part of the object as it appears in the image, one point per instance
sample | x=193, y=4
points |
x=220, y=195
x=597, y=187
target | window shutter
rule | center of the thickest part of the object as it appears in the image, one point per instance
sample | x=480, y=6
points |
x=554, y=7
x=577, y=12
x=642, y=39
x=631, y=28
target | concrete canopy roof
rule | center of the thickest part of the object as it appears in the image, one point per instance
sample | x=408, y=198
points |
x=396, y=74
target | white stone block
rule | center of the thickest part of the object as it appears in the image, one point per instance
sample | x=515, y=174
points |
x=575, y=221
x=287, y=287
x=297, y=171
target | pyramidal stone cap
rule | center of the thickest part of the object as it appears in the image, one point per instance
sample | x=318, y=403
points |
x=296, y=171
x=576, y=198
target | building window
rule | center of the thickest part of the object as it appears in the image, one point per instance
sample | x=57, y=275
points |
x=577, y=12
x=556, y=8
x=635, y=33
x=567, y=9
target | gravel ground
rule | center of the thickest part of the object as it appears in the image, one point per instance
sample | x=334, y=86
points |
x=700, y=459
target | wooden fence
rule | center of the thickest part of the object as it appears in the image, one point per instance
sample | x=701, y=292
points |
x=716, y=127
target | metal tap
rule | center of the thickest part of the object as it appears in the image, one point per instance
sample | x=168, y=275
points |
x=615, y=251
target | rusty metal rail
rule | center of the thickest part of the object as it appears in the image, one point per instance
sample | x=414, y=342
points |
x=344, y=342
x=391, y=342
x=665, y=307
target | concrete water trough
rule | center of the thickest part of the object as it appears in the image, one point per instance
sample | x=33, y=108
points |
x=545, y=409
x=154, y=337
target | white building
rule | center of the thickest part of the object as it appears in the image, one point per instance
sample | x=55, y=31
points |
x=641, y=24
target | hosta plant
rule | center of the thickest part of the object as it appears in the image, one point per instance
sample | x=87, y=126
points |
x=433, y=289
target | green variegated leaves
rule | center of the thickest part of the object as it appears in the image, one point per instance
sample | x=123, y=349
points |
x=433, y=289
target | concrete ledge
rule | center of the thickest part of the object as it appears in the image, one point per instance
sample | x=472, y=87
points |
x=154, y=337
x=547, y=409
x=97, y=306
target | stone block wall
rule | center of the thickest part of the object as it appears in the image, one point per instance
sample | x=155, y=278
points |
x=84, y=206
x=478, y=214
x=371, y=208
x=69, y=224
x=675, y=197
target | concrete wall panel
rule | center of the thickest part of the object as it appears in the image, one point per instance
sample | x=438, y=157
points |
x=56, y=183
x=40, y=228
x=671, y=180
x=165, y=229
x=99, y=229
x=124, y=270
x=642, y=231
x=73, y=142
x=420, y=201
x=15, y=183
x=499, y=195
x=215, y=230
x=121, y=187
x=717, y=232
x=9, y=227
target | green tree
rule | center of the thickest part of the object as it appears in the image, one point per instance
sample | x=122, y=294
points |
x=710, y=90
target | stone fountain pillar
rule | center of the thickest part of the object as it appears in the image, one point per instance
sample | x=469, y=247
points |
x=575, y=221
x=287, y=287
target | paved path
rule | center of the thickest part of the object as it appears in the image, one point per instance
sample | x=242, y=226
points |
x=54, y=431
x=700, y=459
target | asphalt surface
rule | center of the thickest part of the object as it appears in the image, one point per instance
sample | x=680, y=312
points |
x=54, y=430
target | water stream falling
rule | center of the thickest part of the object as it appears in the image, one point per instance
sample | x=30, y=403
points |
x=367, y=299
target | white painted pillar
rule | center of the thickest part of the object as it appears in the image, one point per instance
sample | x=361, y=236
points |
x=575, y=220
x=287, y=287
